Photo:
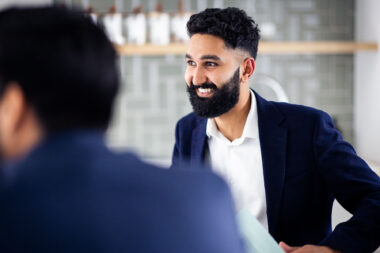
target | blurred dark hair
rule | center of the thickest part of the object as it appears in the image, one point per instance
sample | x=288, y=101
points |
x=65, y=65
x=230, y=24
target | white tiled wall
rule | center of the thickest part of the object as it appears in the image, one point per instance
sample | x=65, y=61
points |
x=6, y=3
x=154, y=96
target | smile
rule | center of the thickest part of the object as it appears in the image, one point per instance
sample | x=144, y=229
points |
x=202, y=92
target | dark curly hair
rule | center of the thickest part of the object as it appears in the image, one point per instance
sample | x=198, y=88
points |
x=231, y=24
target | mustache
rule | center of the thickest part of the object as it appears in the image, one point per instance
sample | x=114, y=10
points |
x=203, y=86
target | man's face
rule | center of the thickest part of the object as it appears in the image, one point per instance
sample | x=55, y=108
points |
x=212, y=75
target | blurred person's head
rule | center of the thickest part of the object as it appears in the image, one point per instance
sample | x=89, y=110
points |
x=220, y=59
x=57, y=72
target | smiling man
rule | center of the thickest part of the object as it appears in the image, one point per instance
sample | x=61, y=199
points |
x=285, y=163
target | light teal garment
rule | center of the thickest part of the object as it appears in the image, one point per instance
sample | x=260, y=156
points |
x=256, y=237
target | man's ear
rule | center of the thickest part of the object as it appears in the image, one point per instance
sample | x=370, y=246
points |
x=19, y=128
x=13, y=108
x=248, y=68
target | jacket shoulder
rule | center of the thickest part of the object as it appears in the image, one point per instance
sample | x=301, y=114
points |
x=300, y=114
x=298, y=110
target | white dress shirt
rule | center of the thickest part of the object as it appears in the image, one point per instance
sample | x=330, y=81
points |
x=239, y=163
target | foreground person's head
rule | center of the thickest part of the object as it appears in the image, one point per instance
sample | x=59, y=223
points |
x=57, y=72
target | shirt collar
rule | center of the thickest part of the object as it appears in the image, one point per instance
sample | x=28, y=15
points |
x=250, y=128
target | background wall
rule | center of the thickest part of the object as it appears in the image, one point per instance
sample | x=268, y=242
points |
x=367, y=83
x=5, y=3
x=154, y=97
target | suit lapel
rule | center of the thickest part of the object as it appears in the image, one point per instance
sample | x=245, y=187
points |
x=273, y=151
x=199, y=142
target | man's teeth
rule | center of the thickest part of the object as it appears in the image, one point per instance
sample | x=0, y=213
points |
x=202, y=90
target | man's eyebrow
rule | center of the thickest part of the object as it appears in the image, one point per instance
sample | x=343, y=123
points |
x=210, y=57
x=205, y=57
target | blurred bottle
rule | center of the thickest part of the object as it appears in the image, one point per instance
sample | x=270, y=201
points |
x=90, y=12
x=178, y=25
x=113, y=25
x=136, y=27
x=267, y=30
x=159, y=26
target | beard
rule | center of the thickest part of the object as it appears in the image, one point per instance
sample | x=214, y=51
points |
x=222, y=100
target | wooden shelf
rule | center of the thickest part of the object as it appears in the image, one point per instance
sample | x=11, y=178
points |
x=265, y=47
x=317, y=47
x=149, y=49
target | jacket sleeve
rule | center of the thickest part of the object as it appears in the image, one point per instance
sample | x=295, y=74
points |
x=355, y=186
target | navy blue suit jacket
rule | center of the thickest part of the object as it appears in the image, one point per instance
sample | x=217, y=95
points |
x=306, y=165
x=72, y=194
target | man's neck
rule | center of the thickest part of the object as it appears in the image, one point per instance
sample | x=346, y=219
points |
x=231, y=124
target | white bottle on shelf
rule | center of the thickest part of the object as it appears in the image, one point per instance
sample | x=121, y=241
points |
x=113, y=26
x=136, y=27
x=178, y=25
x=159, y=24
x=92, y=14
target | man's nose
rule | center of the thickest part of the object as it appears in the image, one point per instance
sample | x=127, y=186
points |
x=199, y=76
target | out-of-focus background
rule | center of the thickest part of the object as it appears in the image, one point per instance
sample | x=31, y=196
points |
x=153, y=95
x=347, y=85
x=344, y=84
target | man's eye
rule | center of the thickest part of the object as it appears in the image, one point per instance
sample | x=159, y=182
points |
x=211, y=64
x=191, y=63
